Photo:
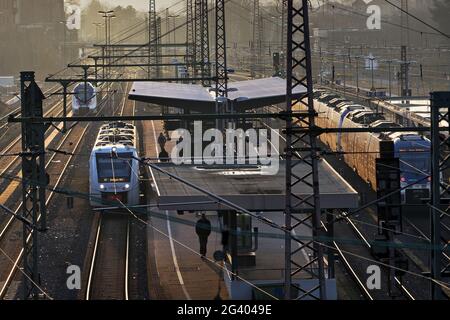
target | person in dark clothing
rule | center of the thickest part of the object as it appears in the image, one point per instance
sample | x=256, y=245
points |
x=203, y=230
x=162, y=140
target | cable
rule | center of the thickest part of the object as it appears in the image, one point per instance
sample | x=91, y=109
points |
x=195, y=252
x=26, y=275
x=418, y=19
x=384, y=21
x=439, y=283
x=87, y=196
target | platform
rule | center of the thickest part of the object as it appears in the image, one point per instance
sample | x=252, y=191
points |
x=242, y=95
x=268, y=272
x=247, y=188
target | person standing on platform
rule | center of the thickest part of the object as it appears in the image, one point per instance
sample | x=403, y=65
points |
x=162, y=141
x=203, y=230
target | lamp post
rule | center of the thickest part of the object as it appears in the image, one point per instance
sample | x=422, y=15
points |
x=357, y=57
x=107, y=15
x=389, y=62
x=372, y=59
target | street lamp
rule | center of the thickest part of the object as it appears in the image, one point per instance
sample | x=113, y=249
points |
x=357, y=57
x=389, y=62
x=372, y=59
x=107, y=15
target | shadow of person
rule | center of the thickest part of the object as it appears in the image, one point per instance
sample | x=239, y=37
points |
x=163, y=156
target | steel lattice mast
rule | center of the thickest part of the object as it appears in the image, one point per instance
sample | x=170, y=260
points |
x=152, y=38
x=221, y=51
x=159, y=47
x=440, y=113
x=301, y=149
x=283, y=37
x=204, y=37
x=201, y=36
x=190, y=35
x=34, y=181
x=256, y=45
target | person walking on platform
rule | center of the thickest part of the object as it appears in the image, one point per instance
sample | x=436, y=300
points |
x=203, y=230
x=162, y=141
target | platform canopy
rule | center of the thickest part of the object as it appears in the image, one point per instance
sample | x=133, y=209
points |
x=242, y=95
x=246, y=187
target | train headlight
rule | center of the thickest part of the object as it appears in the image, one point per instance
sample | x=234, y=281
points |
x=127, y=186
x=102, y=187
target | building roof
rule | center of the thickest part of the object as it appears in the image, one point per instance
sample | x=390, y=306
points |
x=248, y=189
x=246, y=94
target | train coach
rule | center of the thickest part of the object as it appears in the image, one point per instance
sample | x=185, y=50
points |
x=360, y=150
x=84, y=98
x=114, y=168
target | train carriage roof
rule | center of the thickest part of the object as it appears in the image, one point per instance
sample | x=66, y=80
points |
x=116, y=134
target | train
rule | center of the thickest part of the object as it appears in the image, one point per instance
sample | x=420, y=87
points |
x=114, y=166
x=360, y=150
x=84, y=98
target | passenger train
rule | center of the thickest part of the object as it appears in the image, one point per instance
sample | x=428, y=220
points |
x=113, y=166
x=360, y=150
x=84, y=98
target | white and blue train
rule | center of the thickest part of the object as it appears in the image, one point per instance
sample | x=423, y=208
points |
x=361, y=149
x=84, y=98
x=114, y=168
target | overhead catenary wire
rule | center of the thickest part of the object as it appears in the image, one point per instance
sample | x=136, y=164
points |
x=326, y=239
x=117, y=35
x=44, y=292
x=418, y=19
x=196, y=253
x=139, y=209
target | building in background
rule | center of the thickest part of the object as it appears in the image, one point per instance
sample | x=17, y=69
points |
x=34, y=36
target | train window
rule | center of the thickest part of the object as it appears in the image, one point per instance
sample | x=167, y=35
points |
x=414, y=166
x=111, y=169
x=84, y=93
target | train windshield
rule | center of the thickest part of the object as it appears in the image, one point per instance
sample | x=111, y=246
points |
x=84, y=93
x=415, y=166
x=114, y=169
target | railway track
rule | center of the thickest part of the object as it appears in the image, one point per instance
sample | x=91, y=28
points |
x=15, y=146
x=56, y=167
x=108, y=272
x=427, y=241
x=17, y=110
x=109, y=263
x=403, y=289
x=346, y=259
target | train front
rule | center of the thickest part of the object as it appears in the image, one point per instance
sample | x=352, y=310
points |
x=114, y=177
x=413, y=152
x=85, y=98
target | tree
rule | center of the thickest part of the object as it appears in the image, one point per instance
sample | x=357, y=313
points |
x=90, y=15
x=125, y=18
